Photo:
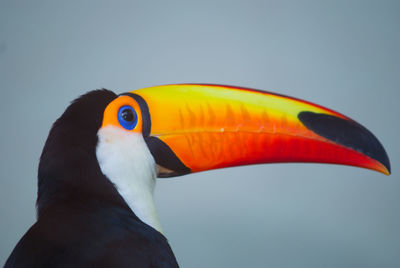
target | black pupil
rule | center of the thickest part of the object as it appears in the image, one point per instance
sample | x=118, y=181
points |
x=127, y=115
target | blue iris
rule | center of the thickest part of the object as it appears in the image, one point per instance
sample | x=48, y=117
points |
x=127, y=117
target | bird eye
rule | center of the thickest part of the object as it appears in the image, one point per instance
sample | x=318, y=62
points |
x=127, y=117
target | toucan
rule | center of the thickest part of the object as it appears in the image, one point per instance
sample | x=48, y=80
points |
x=99, y=165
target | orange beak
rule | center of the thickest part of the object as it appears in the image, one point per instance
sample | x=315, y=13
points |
x=194, y=127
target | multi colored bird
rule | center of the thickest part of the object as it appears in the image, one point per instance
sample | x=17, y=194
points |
x=98, y=168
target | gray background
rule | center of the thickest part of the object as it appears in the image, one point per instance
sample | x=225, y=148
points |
x=340, y=54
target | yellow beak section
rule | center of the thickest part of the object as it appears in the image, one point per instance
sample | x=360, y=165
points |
x=213, y=126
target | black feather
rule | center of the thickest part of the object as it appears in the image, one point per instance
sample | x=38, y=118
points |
x=82, y=219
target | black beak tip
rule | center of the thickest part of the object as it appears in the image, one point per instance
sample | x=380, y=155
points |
x=347, y=133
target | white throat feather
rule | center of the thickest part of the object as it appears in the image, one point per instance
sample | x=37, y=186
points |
x=127, y=162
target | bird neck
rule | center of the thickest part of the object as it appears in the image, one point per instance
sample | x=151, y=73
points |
x=69, y=177
x=127, y=162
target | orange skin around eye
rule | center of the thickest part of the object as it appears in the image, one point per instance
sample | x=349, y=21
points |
x=110, y=116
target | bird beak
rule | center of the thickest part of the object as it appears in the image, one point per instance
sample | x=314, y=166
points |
x=193, y=127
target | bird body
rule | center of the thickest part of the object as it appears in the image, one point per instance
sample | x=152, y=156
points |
x=93, y=235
